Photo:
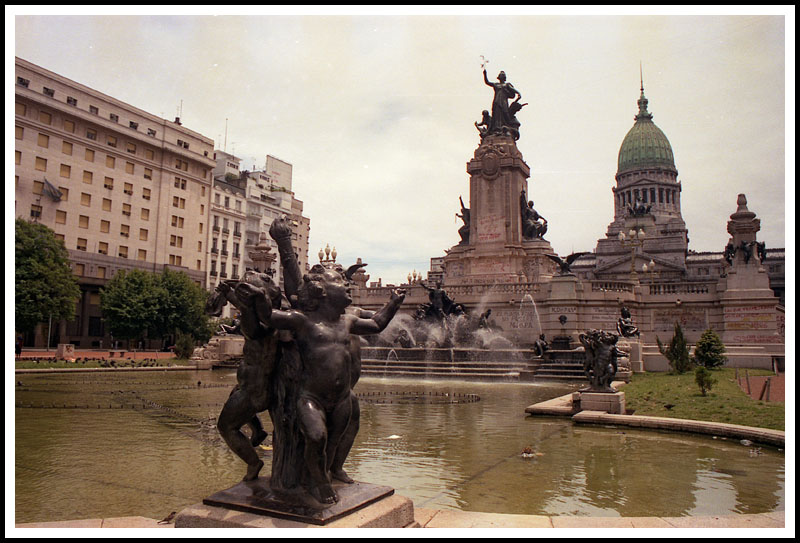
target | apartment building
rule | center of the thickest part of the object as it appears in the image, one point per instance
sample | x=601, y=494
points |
x=122, y=188
x=243, y=206
x=226, y=254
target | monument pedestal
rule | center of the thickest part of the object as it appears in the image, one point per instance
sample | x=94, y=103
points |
x=635, y=354
x=748, y=303
x=254, y=504
x=66, y=351
x=608, y=402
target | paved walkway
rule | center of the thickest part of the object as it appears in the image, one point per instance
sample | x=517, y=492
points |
x=436, y=518
x=776, y=391
x=96, y=354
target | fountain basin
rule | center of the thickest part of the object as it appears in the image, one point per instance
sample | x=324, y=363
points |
x=101, y=445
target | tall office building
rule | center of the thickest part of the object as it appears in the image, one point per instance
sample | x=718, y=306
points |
x=122, y=188
x=243, y=206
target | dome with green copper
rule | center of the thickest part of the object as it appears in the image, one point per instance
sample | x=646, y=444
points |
x=645, y=146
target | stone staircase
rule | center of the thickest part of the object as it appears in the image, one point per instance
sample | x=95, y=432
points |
x=463, y=364
x=561, y=365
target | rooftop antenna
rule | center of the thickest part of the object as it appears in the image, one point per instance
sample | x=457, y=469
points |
x=225, y=147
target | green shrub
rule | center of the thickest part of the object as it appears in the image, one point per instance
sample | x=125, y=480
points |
x=184, y=345
x=677, y=353
x=704, y=379
x=710, y=351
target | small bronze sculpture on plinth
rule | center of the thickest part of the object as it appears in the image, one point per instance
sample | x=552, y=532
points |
x=600, y=364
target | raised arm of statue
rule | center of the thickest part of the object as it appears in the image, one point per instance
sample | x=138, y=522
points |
x=378, y=321
x=281, y=232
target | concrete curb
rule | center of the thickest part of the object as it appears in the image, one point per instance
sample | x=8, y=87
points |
x=437, y=518
x=760, y=435
x=94, y=370
x=562, y=406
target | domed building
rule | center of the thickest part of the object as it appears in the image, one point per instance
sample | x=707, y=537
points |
x=642, y=265
x=647, y=226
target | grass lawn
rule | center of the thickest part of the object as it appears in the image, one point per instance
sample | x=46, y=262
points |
x=649, y=393
x=92, y=363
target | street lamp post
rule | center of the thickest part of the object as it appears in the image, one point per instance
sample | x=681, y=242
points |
x=632, y=240
x=649, y=269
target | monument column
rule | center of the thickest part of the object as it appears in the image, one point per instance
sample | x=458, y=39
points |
x=748, y=304
x=497, y=176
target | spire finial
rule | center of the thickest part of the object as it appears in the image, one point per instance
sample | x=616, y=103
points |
x=641, y=79
x=643, y=113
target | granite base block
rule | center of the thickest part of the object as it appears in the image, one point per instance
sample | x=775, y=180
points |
x=608, y=402
x=254, y=504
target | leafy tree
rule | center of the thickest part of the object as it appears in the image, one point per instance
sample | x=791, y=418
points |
x=139, y=303
x=44, y=285
x=130, y=303
x=677, y=352
x=181, y=306
x=710, y=351
x=704, y=379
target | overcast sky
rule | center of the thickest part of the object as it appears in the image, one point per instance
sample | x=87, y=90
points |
x=375, y=112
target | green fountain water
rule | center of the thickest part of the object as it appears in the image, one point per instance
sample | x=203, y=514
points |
x=144, y=444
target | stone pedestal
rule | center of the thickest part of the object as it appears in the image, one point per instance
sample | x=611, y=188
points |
x=608, y=402
x=637, y=364
x=748, y=303
x=65, y=351
x=231, y=346
x=254, y=504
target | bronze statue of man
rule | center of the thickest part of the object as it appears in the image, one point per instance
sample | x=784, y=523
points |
x=532, y=228
x=465, y=216
x=625, y=326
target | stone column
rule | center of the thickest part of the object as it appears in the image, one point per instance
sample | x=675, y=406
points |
x=748, y=304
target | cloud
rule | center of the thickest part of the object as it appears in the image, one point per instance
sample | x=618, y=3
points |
x=375, y=113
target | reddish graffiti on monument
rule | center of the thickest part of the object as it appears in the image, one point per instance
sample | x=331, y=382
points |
x=753, y=317
x=664, y=319
x=490, y=228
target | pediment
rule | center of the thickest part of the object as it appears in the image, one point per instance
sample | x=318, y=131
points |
x=622, y=264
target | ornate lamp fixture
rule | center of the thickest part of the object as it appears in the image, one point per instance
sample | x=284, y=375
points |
x=327, y=256
x=633, y=240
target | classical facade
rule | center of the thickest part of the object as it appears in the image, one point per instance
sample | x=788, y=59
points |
x=643, y=263
x=122, y=188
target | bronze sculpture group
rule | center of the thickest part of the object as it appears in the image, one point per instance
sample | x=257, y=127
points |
x=502, y=120
x=600, y=362
x=301, y=362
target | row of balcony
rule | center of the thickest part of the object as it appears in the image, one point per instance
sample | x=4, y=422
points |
x=223, y=275
x=223, y=252
x=236, y=233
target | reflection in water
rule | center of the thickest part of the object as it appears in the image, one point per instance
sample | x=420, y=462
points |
x=106, y=445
